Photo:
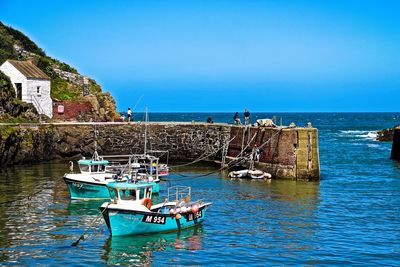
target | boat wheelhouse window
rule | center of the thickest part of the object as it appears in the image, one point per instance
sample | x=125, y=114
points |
x=93, y=168
x=113, y=192
x=127, y=194
x=148, y=193
x=141, y=195
x=102, y=168
x=84, y=167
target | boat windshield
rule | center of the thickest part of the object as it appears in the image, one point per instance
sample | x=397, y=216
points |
x=92, y=167
x=97, y=168
x=132, y=194
x=84, y=167
x=128, y=194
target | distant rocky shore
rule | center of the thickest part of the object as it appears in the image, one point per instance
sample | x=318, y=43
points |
x=386, y=135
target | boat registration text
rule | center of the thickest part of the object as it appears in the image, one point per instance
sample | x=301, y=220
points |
x=154, y=219
x=193, y=216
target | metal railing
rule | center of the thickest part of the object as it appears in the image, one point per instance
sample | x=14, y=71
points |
x=38, y=107
x=178, y=193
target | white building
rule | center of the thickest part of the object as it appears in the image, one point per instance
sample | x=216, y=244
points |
x=31, y=84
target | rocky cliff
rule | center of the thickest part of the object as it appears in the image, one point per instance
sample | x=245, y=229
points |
x=66, y=83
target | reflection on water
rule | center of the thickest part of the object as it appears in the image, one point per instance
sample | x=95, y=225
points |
x=40, y=222
x=83, y=208
x=140, y=250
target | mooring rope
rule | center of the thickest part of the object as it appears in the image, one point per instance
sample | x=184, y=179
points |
x=82, y=237
x=227, y=167
x=203, y=156
x=182, y=175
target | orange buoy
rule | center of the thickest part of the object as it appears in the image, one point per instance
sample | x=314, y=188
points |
x=178, y=216
x=147, y=202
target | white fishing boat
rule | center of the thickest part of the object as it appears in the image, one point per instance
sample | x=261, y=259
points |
x=95, y=174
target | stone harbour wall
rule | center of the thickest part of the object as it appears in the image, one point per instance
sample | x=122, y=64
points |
x=287, y=153
x=290, y=153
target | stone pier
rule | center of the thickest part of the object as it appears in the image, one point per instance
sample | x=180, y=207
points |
x=288, y=153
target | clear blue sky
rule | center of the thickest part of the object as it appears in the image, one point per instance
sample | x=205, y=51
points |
x=215, y=55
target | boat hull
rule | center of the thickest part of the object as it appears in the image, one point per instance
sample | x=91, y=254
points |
x=128, y=222
x=87, y=191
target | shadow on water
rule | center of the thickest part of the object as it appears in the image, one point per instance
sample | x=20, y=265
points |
x=140, y=250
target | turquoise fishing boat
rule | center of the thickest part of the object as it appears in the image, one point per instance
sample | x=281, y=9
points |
x=95, y=174
x=130, y=212
x=91, y=182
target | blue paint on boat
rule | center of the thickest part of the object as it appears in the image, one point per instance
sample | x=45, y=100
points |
x=131, y=212
x=122, y=222
x=86, y=191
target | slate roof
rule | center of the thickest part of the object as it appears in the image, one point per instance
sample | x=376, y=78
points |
x=28, y=69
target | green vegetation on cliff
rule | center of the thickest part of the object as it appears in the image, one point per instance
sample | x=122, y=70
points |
x=66, y=82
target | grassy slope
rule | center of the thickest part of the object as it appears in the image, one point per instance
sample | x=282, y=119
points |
x=60, y=89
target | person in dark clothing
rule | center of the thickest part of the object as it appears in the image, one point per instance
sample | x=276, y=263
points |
x=246, y=116
x=209, y=120
x=236, y=119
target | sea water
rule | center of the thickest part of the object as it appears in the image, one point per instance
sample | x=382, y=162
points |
x=351, y=217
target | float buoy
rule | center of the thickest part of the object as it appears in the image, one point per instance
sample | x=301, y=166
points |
x=147, y=202
x=178, y=216
x=195, y=208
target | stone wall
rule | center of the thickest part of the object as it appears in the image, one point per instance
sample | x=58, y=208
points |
x=286, y=153
x=73, y=110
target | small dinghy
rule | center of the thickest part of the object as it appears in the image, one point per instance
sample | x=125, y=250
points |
x=252, y=174
x=238, y=174
x=130, y=212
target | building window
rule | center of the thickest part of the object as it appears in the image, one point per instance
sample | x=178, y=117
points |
x=38, y=90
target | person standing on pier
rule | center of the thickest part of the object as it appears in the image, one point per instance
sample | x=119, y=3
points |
x=236, y=119
x=246, y=116
x=129, y=113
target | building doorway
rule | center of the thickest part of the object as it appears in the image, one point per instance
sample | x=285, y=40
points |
x=18, y=86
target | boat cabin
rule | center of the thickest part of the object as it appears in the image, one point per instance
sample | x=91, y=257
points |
x=92, y=166
x=121, y=192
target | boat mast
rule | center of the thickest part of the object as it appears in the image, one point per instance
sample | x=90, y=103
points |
x=146, y=119
x=96, y=135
